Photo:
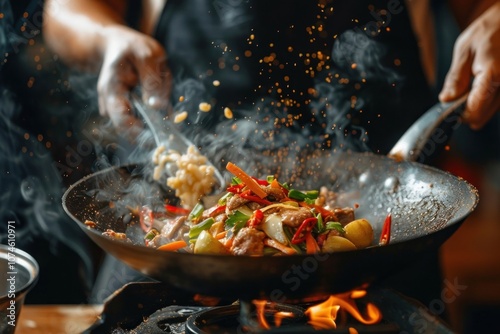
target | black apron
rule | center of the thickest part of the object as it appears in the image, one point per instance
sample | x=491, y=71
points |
x=287, y=57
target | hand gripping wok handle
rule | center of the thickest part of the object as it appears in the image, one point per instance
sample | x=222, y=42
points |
x=430, y=132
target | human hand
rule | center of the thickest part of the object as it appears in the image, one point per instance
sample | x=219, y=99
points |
x=476, y=57
x=131, y=59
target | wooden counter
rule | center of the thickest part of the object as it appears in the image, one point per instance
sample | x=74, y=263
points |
x=57, y=319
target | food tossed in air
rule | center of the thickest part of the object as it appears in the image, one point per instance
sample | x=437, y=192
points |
x=194, y=176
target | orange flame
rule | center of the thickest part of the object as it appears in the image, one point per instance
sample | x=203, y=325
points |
x=279, y=316
x=261, y=318
x=323, y=316
x=260, y=306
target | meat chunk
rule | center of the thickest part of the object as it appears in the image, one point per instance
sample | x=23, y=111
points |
x=294, y=218
x=157, y=241
x=115, y=235
x=235, y=202
x=344, y=215
x=175, y=228
x=248, y=241
x=254, y=206
x=274, y=194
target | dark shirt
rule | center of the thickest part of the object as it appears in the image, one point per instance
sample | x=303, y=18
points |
x=326, y=67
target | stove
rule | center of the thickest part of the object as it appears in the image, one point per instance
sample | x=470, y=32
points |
x=158, y=308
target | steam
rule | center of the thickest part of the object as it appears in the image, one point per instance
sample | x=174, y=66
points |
x=357, y=78
x=357, y=75
x=360, y=75
x=256, y=136
x=30, y=189
x=355, y=47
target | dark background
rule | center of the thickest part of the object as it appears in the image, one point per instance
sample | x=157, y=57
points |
x=44, y=147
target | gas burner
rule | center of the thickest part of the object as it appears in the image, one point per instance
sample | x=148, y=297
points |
x=237, y=319
x=171, y=319
x=158, y=308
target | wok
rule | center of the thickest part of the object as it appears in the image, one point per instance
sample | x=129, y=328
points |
x=427, y=206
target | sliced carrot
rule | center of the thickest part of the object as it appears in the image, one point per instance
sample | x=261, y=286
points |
x=228, y=243
x=279, y=246
x=275, y=184
x=311, y=244
x=173, y=246
x=246, y=179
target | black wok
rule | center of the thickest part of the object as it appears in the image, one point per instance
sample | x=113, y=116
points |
x=427, y=206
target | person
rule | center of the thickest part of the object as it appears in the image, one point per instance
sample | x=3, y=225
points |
x=127, y=57
x=349, y=72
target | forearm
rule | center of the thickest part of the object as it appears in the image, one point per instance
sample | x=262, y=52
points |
x=466, y=11
x=77, y=30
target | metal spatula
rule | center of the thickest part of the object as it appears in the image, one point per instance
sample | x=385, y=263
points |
x=166, y=134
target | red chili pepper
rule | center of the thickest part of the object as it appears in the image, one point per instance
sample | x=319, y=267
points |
x=261, y=182
x=304, y=228
x=235, y=188
x=253, y=198
x=176, y=210
x=214, y=211
x=320, y=239
x=325, y=214
x=256, y=218
x=385, y=236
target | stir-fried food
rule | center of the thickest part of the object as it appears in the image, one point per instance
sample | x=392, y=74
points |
x=193, y=177
x=258, y=217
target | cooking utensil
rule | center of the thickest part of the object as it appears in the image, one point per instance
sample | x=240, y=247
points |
x=427, y=206
x=19, y=274
x=166, y=134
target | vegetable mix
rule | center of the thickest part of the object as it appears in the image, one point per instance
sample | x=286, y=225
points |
x=258, y=217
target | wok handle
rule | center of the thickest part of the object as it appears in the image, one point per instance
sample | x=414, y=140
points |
x=430, y=132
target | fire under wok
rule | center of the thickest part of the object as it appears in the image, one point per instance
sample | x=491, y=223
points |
x=427, y=205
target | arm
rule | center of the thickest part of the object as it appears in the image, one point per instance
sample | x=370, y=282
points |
x=92, y=35
x=77, y=30
x=476, y=59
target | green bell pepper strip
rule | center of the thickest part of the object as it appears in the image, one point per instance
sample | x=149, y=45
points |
x=195, y=231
